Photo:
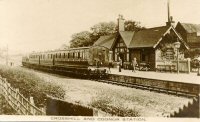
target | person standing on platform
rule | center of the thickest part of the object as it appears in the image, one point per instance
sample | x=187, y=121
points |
x=98, y=64
x=120, y=64
x=134, y=64
x=109, y=66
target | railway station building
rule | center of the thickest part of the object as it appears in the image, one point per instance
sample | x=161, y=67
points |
x=154, y=46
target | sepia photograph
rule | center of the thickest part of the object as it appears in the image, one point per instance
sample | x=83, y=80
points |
x=100, y=60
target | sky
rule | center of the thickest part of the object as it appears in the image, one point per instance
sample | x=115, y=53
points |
x=39, y=25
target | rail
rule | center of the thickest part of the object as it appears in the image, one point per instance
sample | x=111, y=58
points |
x=17, y=101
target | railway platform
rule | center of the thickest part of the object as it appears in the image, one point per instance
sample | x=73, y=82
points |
x=190, y=78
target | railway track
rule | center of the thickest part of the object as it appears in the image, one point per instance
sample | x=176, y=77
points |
x=99, y=78
x=150, y=88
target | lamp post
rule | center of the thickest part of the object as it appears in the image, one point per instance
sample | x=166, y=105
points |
x=198, y=66
x=177, y=46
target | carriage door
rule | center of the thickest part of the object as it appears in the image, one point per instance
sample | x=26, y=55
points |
x=53, y=59
x=39, y=60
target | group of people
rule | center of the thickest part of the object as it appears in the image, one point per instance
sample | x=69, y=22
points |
x=134, y=64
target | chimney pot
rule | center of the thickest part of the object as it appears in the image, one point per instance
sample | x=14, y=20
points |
x=121, y=23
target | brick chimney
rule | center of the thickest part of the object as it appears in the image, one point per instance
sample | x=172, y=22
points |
x=120, y=23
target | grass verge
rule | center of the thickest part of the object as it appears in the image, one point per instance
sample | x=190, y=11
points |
x=105, y=104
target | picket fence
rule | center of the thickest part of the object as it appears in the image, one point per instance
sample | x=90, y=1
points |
x=17, y=101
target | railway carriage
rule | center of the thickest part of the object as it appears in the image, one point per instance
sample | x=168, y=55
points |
x=83, y=61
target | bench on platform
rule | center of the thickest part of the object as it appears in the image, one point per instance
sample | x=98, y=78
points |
x=166, y=68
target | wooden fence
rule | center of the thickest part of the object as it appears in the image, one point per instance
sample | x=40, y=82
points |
x=17, y=101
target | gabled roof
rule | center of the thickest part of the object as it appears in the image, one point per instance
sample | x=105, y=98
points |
x=191, y=28
x=127, y=36
x=147, y=37
x=106, y=41
x=150, y=37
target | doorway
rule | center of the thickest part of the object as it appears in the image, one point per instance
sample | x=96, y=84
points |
x=121, y=56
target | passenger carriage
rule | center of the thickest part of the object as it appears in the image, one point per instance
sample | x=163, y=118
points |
x=73, y=61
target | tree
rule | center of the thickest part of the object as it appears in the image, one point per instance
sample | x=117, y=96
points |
x=101, y=29
x=132, y=26
x=87, y=38
x=81, y=39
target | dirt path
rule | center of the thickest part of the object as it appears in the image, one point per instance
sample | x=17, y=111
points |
x=85, y=92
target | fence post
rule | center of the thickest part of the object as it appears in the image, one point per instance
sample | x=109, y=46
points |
x=95, y=112
x=8, y=92
x=5, y=87
x=17, y=100
x=32, y=102
x=43, y=110
x=27, y=106
x=1, y=84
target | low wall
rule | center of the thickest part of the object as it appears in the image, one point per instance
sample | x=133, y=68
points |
x=63, y=108
x=156, y=84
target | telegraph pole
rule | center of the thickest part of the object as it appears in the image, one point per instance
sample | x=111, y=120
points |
x=168, y=10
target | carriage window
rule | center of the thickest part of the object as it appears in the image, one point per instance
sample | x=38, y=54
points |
x=78, y=54
x=83, y=53
x=56, y=55
x=68, y=55
x=73, y=55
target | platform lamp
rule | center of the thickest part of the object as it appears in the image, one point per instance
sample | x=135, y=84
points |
x=177, y=45
x=198, y=73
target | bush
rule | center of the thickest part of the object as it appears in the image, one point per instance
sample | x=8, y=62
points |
x=30, y=84
x=104, y=103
